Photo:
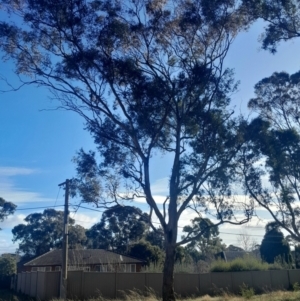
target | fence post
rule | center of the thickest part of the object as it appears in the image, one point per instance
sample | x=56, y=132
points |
x=116, y=283
x=81, y=284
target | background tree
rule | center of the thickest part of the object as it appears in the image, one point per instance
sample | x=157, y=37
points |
x=44, y=231
x=145, y=251
x=274, y=246
x=246, y=242
x=282, y=18
x=206, y=246
x=297, y=256
x=274, y=151
x=155, y=238
x=148, y=78
x=120, y=226
x=8, y=265
x=6, y=209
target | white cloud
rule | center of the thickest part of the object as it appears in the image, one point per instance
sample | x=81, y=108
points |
x=86, y=220
x=160, y=186
x=6, y=244
x=12, y=220
x=6, y=171
x=12, y=193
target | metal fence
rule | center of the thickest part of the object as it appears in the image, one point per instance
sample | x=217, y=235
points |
x=84, y=285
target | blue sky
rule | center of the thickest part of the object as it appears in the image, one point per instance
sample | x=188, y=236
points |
x=38, y=142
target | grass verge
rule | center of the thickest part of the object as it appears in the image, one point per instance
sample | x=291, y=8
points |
x=6, y=295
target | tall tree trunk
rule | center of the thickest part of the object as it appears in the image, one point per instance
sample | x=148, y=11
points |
x=168, y=272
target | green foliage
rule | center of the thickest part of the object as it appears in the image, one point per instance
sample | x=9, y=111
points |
x=6, y=209
x=145, y=251
x=247, y=292
x=247, y=263
x=44, y=231
x=274, y=246
x=273, y=152
x=119, y=227
x=206, y=245
x=296, y=287
x=8, y=265
x=282, y=18
x=297, y=256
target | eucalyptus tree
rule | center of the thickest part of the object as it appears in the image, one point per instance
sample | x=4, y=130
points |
x=282, y=20
x=274, y=246
x=148, y=77
x=118, y=229
x=6, y=209
x=270, y=165
x=42, y=232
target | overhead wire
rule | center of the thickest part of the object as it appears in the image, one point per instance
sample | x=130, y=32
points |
x=57, y=195
x=101, y=211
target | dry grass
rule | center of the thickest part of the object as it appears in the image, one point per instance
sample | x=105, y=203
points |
x=134, y=296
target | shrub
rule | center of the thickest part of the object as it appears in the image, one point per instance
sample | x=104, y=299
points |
x=247, y=263
x=247, y=292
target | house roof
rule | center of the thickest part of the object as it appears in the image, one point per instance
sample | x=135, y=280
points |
x=82, y=257
x=231, y=255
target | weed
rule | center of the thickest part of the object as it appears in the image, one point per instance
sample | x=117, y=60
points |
x=296, y=287
x=247, y=292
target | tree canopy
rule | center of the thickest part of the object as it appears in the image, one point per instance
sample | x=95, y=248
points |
x=282, y=17
x=145, y=251
x=8, y=265
x=44, y=231
x=273, y=246
x=208, y=244
x=274, y=152
x=6, y=209
x=120, y=226
x=148, y=77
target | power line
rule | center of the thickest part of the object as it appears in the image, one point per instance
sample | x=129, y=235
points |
x=57, y=196
x=33, y=208
x=92, y=209
x=101, y=211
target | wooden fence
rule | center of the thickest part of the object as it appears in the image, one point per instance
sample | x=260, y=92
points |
x=84, y=285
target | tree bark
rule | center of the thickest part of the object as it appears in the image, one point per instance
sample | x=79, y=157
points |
x=168, y=272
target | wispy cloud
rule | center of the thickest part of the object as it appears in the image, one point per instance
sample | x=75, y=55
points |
x=6, y=171
x=12, y=193
x=160, y=186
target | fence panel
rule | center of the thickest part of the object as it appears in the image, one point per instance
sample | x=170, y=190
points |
x=205, y=284
x=19, y=282
x=280, y=279
x=294, y=276
x=240, y=278
x=221, y=282
x=129, y=282
x=84, y=285
x=186, y=284
x=28, y=283
x=261, y=280
x=96, y=284
x=74, y=286
x=154, y=282
x=52, y=285
x=33, y=284
x=41, y=285
x=23, y=283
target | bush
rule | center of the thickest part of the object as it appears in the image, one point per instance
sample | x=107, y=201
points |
x=247, y=292
x=247, y=263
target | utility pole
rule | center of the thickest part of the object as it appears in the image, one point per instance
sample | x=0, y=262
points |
x=64, y=267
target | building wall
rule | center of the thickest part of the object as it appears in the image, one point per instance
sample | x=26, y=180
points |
x=91, y=267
